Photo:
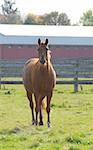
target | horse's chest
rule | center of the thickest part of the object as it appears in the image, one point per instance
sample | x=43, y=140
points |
x=43, y=82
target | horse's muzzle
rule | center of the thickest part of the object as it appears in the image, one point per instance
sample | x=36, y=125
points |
x=42, y=61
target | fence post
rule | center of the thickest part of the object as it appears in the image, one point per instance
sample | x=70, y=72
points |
x=76, y=77
x=76, y=85
x=0, y=82
x=0, y=74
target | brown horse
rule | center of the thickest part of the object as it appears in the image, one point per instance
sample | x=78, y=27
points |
x=39, y=79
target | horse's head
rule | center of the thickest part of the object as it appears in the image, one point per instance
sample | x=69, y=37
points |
x=43, y=51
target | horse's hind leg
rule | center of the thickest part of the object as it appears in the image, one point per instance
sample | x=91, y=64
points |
x=29, y=95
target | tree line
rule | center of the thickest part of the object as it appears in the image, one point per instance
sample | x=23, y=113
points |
x=11, y=15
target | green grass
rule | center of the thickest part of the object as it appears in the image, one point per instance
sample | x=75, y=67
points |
x=71, y=120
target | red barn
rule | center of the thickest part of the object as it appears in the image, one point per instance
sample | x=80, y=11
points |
x=20, y=41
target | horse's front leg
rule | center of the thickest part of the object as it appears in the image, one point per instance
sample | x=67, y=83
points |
x=48, y=108
x=29, y=95
x=37, y=109
x=41, y=116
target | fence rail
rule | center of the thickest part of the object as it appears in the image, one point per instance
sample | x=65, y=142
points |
x=65, y=68
x=80, y=68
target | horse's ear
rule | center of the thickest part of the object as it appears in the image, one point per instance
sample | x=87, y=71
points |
x=39, y=41
x=46, y=41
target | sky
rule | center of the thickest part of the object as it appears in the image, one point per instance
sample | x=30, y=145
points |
x=73, y=8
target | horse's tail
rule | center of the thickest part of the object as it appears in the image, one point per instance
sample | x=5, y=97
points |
x=43, y=105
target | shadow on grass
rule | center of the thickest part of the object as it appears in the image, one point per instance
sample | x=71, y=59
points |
x=63, y=105
x=10, y=132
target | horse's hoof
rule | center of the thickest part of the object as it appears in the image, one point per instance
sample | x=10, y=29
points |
x=36, y=123
x=33, y=122
x=48, y=124
x=41, y=123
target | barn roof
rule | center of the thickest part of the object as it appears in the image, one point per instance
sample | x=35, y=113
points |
x=58, y=35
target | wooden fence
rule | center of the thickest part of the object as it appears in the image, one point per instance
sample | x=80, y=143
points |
x=65, y=68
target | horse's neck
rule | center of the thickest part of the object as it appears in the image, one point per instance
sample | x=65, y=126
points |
x=46, y=67
x=48, y=64
x=48, y=60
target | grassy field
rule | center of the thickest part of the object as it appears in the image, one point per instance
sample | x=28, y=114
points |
x=71, y=120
